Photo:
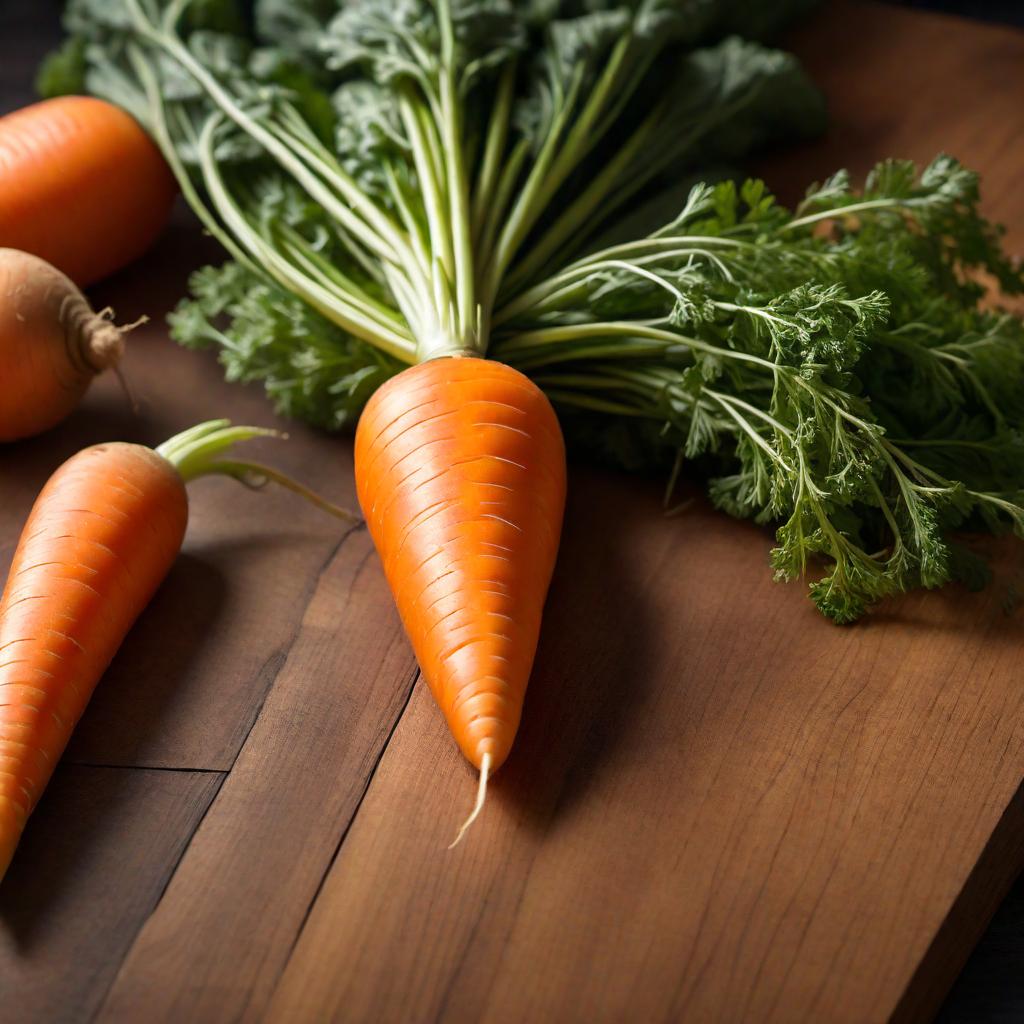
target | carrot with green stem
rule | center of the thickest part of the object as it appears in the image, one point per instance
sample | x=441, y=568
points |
x=427, y=183
x=99, y=540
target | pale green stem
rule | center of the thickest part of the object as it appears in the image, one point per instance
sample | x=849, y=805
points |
x=845, y=211
x=580, y=214
x=330, y=276
x=412, y=223
x=284, y=155
x=434, y=200
x=547, y=294
x=198, y=452
x=752, y=410
x=494, y=149
x=495, y=213
x=334, y=178
x=584, y=401
x=581, y=353
x=329, y=303
x=666, y=340
x=530, y=203
x=458, y=190
x=656, y=247
x=752, y=433
x=170, y=152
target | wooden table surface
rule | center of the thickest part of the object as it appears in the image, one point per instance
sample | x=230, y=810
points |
x=720, y=807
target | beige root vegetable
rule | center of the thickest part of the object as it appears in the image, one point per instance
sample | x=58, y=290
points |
x=52, y=345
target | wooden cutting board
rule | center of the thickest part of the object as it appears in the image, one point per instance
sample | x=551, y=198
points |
x=720, y=807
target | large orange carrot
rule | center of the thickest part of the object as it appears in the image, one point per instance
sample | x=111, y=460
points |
x=460, y=469
x=99, y=540
x=81, y=185
x=52, y=345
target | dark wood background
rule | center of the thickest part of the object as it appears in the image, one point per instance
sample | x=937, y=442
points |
x=720, y=807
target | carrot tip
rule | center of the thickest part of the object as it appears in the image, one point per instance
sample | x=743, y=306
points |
x=481, y=796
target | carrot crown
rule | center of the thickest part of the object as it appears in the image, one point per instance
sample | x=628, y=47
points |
x=200, y=450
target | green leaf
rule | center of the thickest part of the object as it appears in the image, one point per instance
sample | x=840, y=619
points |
x=63, y=72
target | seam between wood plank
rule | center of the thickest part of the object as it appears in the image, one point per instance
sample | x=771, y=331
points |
x=922, y=997
x=283, y=653
x=281, y=656
x=415, y=675
x=467, y=946
x=101, y=1003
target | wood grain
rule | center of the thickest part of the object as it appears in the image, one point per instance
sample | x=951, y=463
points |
x=219, y=939
x=720, y=809
x=720, y=806
x=905, y=84
x=801, y=828
x=89, y=871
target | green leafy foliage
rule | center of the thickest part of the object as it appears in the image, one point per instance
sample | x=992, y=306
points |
x=846, y=383
x=62, y=73
x=312, y=370
x=399, y=180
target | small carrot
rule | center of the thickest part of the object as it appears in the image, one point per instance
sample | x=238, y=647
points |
x=460, y=471
x=101, y=537
x=52, y=345
x=81, y=185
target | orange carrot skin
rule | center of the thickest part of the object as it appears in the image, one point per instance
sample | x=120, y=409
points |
x=81, y=185
x=99, y=540
x=460, y=471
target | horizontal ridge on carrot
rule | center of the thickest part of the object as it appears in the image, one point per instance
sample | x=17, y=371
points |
x=99, y=540
x=81, y=186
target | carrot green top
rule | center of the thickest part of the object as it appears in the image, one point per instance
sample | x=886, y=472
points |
x=200, y=450
x=396, y=182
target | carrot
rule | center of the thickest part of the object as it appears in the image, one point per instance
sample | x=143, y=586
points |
x=99, y=540
x=81, y=185
x=460, y=471
x=52, y=345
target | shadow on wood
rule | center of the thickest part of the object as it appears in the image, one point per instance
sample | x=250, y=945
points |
x=584, y=696
x=158, y=683
x=56, y=844
x=158, y=281
x=26, y=465
x=94, y=861
x=151, y=670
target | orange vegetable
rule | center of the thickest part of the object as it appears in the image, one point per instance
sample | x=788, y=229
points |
x=51, y=345
x=99, y=540
x=81, y=185
x=460, y=470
